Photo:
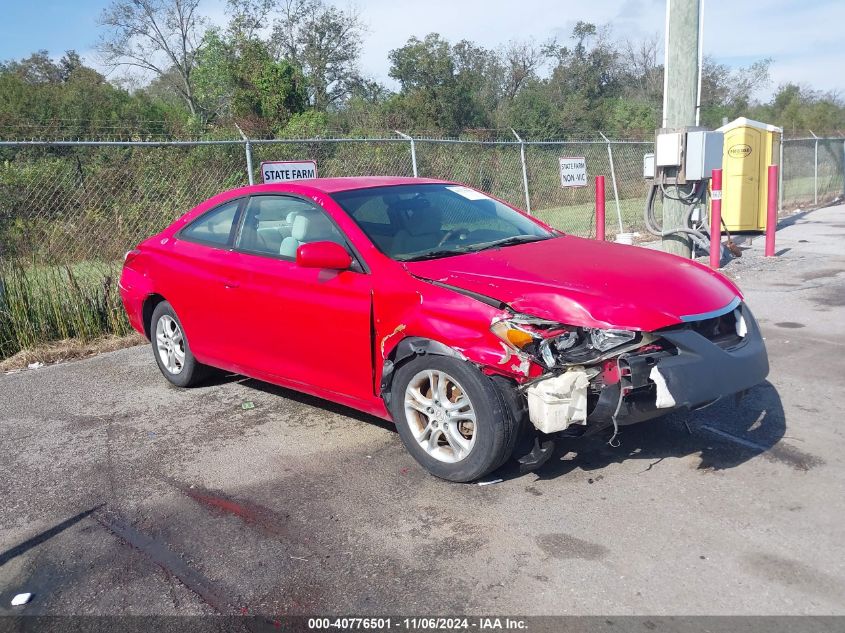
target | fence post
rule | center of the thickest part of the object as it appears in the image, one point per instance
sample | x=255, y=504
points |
x=248, y=148
x=716, y=219
x=600, y=208
x=815, y=168
x=613, y=180
x=524, y=171
x=413, y=151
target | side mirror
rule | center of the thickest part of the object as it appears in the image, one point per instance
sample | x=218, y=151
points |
x=323, y=255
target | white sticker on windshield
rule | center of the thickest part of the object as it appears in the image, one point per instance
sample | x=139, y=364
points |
x=469, y=194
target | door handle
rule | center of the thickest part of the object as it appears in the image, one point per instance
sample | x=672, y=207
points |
x=231, y=283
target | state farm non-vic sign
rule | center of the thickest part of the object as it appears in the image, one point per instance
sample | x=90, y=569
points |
x=286, y=170
x=573, y=171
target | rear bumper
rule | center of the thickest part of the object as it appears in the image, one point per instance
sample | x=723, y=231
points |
x=654, y=384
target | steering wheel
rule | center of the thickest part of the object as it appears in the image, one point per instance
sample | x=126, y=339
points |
x=461, y=233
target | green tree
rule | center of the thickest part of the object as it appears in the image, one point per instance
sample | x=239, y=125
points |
x=439, y=83
x=239, y=79
x=325, y=42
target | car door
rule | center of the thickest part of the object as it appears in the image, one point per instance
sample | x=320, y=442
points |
x=201, y=277
x=304, y=325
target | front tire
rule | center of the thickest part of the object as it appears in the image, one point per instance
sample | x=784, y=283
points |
x=452, y=418
x=171, y=349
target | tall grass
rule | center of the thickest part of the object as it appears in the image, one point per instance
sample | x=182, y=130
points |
x=40, y=304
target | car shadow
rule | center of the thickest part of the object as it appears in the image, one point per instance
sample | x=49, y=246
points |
x=222, y=378
x=722, y=436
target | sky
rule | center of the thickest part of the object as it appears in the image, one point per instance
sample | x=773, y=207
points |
x=803, y=37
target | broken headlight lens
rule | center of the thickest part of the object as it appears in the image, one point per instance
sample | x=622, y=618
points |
x=582, y=345
x=604, y=340
x=556, y=344
x=522, y=332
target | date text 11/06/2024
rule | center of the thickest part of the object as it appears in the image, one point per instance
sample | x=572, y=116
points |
x=418, y=624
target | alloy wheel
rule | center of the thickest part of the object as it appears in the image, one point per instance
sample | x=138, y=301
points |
x=170, y=344
x=440, y=415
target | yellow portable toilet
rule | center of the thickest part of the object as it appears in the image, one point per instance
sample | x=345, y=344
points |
x=750, y=147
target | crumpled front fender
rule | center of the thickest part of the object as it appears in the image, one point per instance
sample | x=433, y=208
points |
x=454, y=324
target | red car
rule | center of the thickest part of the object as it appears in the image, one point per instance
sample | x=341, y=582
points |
x=476, y=328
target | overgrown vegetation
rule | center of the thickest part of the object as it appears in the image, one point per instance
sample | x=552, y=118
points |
x=47, y=303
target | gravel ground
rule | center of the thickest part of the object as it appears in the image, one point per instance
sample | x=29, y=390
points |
x=123, y=495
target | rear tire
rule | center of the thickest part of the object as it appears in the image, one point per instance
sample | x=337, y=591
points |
x=453, y=419
x=171, y=349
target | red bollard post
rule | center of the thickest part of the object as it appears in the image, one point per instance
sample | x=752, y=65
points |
x=716, y=219
x=772, y=211
x=600, y=208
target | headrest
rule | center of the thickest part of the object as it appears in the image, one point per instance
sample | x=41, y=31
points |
x=312, y=227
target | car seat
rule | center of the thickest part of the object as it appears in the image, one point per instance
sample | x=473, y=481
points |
x=308, y=226
x=421, y=229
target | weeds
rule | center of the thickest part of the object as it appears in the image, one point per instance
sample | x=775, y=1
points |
x=40, y=304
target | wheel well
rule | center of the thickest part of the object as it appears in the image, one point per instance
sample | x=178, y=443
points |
x=408, y=348
x=150, y=304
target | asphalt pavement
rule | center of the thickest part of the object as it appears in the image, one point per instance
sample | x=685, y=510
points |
x=124, y=495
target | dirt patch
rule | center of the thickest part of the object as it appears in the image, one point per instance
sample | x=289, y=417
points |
x=822, y=273
x=795, y=574
x=564, y=546
x=832, y=296
x=68, y=349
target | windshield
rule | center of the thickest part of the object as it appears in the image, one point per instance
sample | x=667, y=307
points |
x=414, y=222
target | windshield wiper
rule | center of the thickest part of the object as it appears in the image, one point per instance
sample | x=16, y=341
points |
x=435, y=254
x=510, y=241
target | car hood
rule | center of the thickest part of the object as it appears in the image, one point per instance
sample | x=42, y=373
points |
x=588, y=283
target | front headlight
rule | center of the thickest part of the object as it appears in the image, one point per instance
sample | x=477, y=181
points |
x=554, y=344
x=604, y=340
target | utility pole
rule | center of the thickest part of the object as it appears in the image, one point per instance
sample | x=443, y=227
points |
x=680, y=95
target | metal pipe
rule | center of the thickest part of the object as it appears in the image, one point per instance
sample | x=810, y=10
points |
x=248, y=149
x=600, y=208
x=413, y=151
x=524, y=171
x=716, y=219
x=283, y=141
x=771, y=211
x=117, y=143
x=613, y=180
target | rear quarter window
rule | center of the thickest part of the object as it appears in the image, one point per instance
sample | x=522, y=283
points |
x=215, y=227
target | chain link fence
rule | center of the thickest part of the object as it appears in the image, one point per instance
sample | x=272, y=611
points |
x=67, y=202
x=70, y=209
x=813, y=171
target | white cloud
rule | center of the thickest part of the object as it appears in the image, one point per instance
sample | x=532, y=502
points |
x=794, y=34
x=801, y=38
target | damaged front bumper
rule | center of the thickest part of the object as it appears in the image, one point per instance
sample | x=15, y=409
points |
x=686, y=371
